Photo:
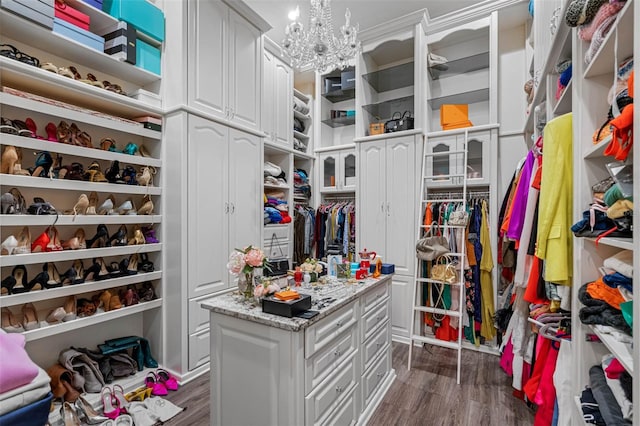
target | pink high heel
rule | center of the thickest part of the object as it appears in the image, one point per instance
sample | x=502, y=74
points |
x=31, y=125
x=108, y=401
x=52, y=132
x=167, y=379
x=118, y=394
x=153, y=382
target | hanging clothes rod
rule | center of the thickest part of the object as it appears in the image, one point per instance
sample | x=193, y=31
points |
x=332, y=197
x=457, y=195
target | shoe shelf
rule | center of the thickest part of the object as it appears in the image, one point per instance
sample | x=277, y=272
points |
x=97, y=318
x=622, y=351
x=78, y=151
x=300, y=135
x=597, y=150
x=461, y=66
x=301, y=116
x=391, y=78
x=17, y=28
x=79, y=220
x=272, y=148
x=298, y=94
x=25, y=77
x=623, y=243
x=70, y=290
x=299, y=155
x=70, y=255
x=77, y=185
x=70, y=113
x=563, y=105
x=603, y=60
x=271, y=186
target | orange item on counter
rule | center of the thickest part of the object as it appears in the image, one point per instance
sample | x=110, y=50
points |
x=287, y=295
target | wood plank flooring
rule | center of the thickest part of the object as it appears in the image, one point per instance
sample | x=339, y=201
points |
x=427, y=395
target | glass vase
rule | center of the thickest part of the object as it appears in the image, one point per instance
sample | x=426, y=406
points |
x=248, y=291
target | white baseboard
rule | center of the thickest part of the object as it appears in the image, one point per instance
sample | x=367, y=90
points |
x=193, y=374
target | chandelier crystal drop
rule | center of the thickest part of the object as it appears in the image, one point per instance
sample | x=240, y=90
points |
x=317, y=46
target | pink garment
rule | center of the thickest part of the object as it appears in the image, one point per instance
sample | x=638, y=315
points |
x=585, y=32
x=16, y=368
x=614, y=370
x=506, y=360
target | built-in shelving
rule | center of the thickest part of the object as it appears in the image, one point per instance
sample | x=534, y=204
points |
x=300, y=135
x=563, y=105
x=460, y=66
x=340, y=121
x=385, y=110
x=622, y=243
x=392, y=78
x=470, y=97
x=340, y=95
x=79, y=220
x=622, y=351
x=597, y=150
x=77, y=185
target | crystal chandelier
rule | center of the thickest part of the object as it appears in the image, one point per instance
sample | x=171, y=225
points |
x=317, y=46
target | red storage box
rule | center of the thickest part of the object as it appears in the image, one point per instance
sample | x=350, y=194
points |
x=71, y=15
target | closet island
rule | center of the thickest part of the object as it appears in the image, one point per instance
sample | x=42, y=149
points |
x=331, y=369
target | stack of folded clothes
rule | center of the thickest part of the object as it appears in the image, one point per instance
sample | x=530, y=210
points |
x=564, y=70
x=276, y=208
x=608, y=400
x=301, y=187
x=25, y=393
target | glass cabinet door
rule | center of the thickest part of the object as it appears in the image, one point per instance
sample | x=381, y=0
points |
x=348, y=181
x=439, y=167
x=478, y=146
x=328, y=172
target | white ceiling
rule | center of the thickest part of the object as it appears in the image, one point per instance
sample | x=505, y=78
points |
x=367, y=13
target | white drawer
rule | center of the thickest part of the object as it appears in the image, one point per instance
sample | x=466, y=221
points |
x=324, y=331
x=199, y=348
x=373, y=319
x=378, y=342
x=374, y=297
x=323, y=400
x=347, y=413
x=372, y=379
x=281, y=231
x=323, y=362
x=276, y=251
x=198, y=317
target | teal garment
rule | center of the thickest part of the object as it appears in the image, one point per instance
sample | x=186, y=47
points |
x=614, y=194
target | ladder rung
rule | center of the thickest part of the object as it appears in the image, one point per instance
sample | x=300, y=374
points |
x=432, y=310
x=443, y=200
x=443, y=153
x=432, y=281
x=436, y=342
x=443, y=177
x=444, y=226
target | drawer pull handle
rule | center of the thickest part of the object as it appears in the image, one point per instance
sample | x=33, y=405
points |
x=339, y=389
x=339, y=324
x=337, y=353
x=380, y=318
x=379, y=344
x=379, y=296
x=380, y=374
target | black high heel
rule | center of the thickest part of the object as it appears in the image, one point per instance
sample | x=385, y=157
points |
x=17, y=281
x=144, y=264
x=127, y=267
x=119, y=238
x=100, y=239
x=91, y=273
x=40, y=281
x=114, y=270
x=53, y=280
x=103, y=272
x=72, y=277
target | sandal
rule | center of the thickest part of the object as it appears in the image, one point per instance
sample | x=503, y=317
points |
x=63, y=133
x=65, y=72
x=49, y=67
x=153, y=382
x=94, y=173
x=108, y=144
x=113, y=87
x=23, y=130
x=8, y=50
x=6, y=126
x=94, y=81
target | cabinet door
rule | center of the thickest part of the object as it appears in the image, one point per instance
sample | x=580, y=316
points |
x=329, y=171
x=245, y=49
x=371, y=211
x=478, y=158
x=245, y=190
x=348, y=170
x=208, y=68
x=441, y=166
x=268, y=94
x=401, y=203
x=401, y=304
x=283, y=83
x=207, y=249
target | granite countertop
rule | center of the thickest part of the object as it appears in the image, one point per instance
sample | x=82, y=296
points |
x=234, y=304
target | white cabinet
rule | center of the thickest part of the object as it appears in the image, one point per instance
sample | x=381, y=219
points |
x=224, y=66
x=277, y=100
x=224, y=215
x=338, y=171
x=441, y=167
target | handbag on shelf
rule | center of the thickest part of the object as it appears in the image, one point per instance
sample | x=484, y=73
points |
x=431, y=246
x=278, y=263
x=444, y=270
x=459, y=217
x=399, y=122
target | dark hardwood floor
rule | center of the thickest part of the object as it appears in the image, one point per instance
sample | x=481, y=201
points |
x=427, y=395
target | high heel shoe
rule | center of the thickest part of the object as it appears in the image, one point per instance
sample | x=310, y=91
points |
x=79, y=267
x=131, y=148
x=149, y=235
x=51, y=132
x=108, y=144
x=17, y=281
x=109, y=403
x=68, y=414
x=144, y=152
x=129, y=175
x=24, y=242
x=137, y=238
x=144, y=264
x=94, y=173
x=87, y=413
x=54, y=240
x=103, y=272
x=107, y=206
x=8, y=245
x=31, y=126
x=77, y=242
x=54, y=280
x=105, y=299
x=91, y=273
x=30, y=319
x=9, y=322
x=72, y=276
x=167, y=379
x=100, y=239
x=130, y=266
x=81, y=205
x=128, y=207
x=93, y=203
x=147, y=206
x=114, y=270
x=8, y=160
x=43, y=164
x=17, y=167
x=119, y=238
x=118, y=394
x=113, y=173
x=145, y=177
x=152, y=381
x=21, y=203
x=40, y=244
x=69, y=309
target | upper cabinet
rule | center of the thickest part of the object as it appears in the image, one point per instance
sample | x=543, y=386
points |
x=336, y=108
x=224, y=76
x=277, y=97
x=338, y=170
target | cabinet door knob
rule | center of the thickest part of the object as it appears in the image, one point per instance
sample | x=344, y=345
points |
x=382, y=207
x=339, y=324
x=339, y=389
x=226, y=207
x=337, y=353
x=380, y=374
x=233, y=208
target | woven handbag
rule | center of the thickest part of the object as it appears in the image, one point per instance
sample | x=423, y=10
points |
x=432, y=245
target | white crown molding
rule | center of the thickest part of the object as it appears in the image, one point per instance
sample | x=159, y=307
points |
x=275, y=49
x=249, y=14
x=468, y=14
x=391, y=27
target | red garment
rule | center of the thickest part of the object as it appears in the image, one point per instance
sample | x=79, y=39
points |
x=546, y=393
x=531, y=386
x=531, y=292
x=446, y=332
x=615, y=369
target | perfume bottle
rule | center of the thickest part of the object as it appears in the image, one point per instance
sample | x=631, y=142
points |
x=297, y=276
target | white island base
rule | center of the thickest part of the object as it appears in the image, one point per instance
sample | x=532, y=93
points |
x=332, y=369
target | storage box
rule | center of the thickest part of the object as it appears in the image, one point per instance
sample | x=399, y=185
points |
x=376, y=129
x=78, y=34
x=144, y=16
x=387, y=268
x=454, y=116
x=95, y=3
x=72, y=16
x=148, y=57
x=288, y=308
x=348, y=79
x=39, y=11
x=121, y=41
x=331, y=84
